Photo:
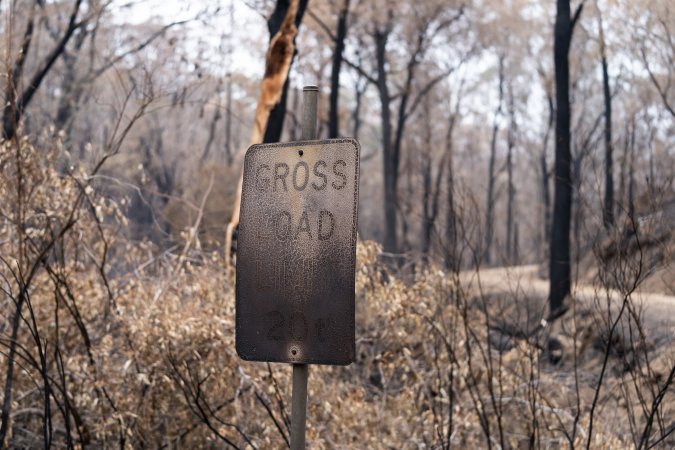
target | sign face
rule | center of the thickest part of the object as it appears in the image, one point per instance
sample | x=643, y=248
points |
x=297, y=252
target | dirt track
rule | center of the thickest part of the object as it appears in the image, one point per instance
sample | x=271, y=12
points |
x=658, y=309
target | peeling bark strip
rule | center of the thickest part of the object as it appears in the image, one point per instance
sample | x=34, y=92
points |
x=277, y=65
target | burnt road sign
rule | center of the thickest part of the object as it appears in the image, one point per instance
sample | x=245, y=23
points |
x=297, y=252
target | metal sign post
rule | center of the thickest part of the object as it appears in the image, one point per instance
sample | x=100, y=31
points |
x=310, y=97
x=297, y=256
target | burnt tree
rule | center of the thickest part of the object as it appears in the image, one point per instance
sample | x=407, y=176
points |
x=452, y=260
x=608, y=207
x=490, y=207
x=559, y=270
x=275, y=122
x=392, y=136
x=271, y=105
x=16, y=101
x=397, y=106
x=511, y=238
x=431, y=187
x=545, y=174
x=333, y=115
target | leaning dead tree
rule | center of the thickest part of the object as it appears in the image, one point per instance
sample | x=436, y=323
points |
x=277, y=65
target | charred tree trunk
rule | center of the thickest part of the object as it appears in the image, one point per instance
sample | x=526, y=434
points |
x=16, y=102
x=295, y=130
x=359, y=90
x=511, y=194
x=631, y=174
x=229, y=151
x=212, y=127
x=427, y=219
x=451, y=262
x=428, y=213
x=11, y=114
x=356, y=114
x=392, y=150
x=334, y=114
x=69, y=98
x=72, y=88
x=431, y=186
x=489, y=219
x=545, y=190
x=516, y=244
x=9, y=378
x=390, y=167
x=578, y=208
x=608, y=209
x=560, y=280
x=228, y=121
x=623, y=176
x=405, y=208
x=212, y=134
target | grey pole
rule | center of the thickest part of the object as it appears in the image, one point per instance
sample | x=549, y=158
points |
x=310, y=95
x=299, y=406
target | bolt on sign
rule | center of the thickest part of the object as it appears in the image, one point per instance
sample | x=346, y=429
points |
x=297, y=252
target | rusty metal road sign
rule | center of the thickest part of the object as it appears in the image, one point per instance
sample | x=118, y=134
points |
x=297, y=252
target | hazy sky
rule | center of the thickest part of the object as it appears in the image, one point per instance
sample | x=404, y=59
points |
x=247, y=27
x=249, y=33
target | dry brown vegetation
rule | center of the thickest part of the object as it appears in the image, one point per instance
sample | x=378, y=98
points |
x=121, y=344
x=120, y=154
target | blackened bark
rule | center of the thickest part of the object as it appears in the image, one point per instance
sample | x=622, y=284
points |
x=631, y=174
x=560, y=280
x=70, y=94
x=577, y=209
x=360, y=88
x=296, y=127
x=405, y=208
x=14, y=110
x=395, y=154
x=228, y=121
x=392, y=150
x=229, y=151
x=608, y=209
x=356, y=114
x=334, y=116
x=390, y=167
x=11, y=114
x=511, y=194
x=72, y=90
x=489, y=219
x=212, y=134
x=451, y=257
x=545, y=191
x=428, y=197
x=427, y=219
x=9, y=379
x=275, y=122
x=516, y=245
x=624, y=164
x=212, y=125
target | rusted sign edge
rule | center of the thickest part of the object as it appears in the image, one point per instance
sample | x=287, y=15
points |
x=275, y=146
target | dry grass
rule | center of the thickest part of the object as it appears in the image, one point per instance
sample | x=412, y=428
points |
x=134, y=347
